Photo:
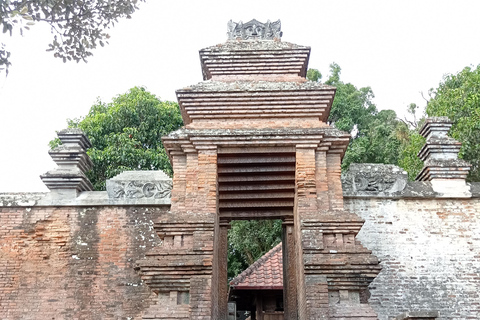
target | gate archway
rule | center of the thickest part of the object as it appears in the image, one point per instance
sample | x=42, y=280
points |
x=256, y=145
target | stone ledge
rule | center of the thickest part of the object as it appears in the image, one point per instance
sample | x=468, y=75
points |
x=128, y=188
x=253, y=86
x=413, y=189
x=253, y=45
x=86, y=198
x=370, y=180
x=425, y=190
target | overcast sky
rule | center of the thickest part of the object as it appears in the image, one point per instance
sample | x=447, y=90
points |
x=399, y=48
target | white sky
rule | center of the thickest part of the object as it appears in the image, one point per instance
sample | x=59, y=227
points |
x=399, y=48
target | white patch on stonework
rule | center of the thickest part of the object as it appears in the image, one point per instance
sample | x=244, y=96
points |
x=451, y=188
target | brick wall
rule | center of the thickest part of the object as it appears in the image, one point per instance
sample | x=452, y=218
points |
x=74, y=263
x=429, y=251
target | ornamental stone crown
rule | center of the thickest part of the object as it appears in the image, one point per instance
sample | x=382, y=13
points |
x=254, y=30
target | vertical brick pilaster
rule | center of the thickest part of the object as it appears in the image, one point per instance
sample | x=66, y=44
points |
x=335, y=193
x=305, y=179
x=289, y=275
x=191, y=184
x=323, y=202
x=220, y=288
x=179, y=164
x=305, y=207
x=207, y=180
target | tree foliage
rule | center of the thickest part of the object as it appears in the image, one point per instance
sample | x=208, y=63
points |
x=379, y=142
x=458, y=98
x=126, y=134
x=376, y=136
x=249, y=240
x=314, y=75
x=410, y=147
x=352, y=108
x=78, y=26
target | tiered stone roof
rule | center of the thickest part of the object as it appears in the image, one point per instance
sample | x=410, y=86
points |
x=254, y=58
x=259, y=99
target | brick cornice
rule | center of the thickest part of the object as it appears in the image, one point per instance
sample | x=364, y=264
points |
x=329, y=140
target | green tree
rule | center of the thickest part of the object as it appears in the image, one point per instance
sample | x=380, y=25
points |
x=458, y=98
x=78, y=26
x=410, y=147
x=249, y=240
x=314, y=75
x=379, y=142
x=125, y=134
x=352, y=108
x=376, y=136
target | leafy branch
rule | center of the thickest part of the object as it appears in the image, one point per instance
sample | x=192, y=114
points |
x=78, y=25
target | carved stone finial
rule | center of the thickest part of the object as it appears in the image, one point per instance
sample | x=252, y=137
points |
x=72, y=160
x=440, y=152
x=254, y=30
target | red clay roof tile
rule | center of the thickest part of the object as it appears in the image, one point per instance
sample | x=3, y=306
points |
x=265, y=273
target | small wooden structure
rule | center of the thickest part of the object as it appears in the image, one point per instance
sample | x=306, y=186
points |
x=259, y=289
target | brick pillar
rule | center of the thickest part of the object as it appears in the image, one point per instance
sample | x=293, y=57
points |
x=220, y=288
x=305, y=208
x=334, y=171
x=323, y=202
x=191, y=182
x=289, y=276
x=179, y=164
x=183, y=265
x=207, y=181
x=305, y=179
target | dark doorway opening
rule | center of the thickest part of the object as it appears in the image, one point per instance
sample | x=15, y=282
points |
x=255, y=265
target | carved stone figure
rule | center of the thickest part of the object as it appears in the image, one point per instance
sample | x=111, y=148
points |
x=373, y=178
x=140, y=184
x=254, y=30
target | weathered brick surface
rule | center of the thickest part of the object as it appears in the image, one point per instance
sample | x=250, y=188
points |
x=179, y=163
x=317, y=292
x=74, y=263
x=306, y=206
x=430, y=255
x=304, y=123
x=182, y=265
x=330, y=259
x=334, y=183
